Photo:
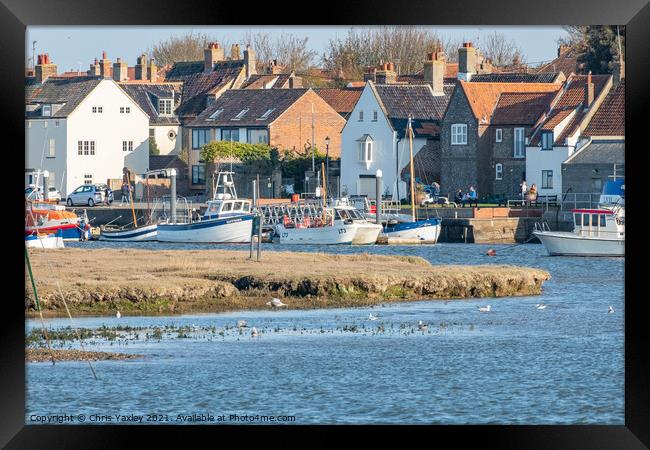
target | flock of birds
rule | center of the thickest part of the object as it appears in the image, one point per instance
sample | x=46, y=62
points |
x=277, y=303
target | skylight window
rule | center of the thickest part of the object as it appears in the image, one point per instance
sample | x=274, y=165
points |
x=241, y=114
x=266, y=114
x=216, y=114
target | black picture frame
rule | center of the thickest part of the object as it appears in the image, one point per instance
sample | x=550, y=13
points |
x=16, y=15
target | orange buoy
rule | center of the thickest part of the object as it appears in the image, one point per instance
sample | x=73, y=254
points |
x=492, y=252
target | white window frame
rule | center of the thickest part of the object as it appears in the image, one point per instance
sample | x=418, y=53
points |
x=365, y=151
x=88, y=178
x=127, y=146
x=46, y=110
x=545, y=179
x=52, y=148
x=241, y=114
x=361, y=116
x=499, y=135
x=165, y=107
x=121, y=109
x=498, y=171
x=459, y=134
x=542, y=140
x=516, y=141
x=127, y=110
x=375, y=115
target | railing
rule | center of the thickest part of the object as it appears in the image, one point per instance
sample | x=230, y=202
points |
x=577, y=200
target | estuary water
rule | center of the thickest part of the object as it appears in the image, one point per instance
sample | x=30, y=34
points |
x=516, y=364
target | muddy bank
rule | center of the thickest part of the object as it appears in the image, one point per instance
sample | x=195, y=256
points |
x=45, y=355
x=180, y=281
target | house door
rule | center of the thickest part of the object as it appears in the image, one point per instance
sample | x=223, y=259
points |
x=367, y=186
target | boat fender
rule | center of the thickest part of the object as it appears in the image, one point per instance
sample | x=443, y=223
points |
x=491, y=252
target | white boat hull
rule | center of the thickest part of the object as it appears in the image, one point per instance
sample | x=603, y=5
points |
x=559, y=243
x=144, y=233
x=367, y=233
x=336, y=234
x=45, y=241
x=223, y=230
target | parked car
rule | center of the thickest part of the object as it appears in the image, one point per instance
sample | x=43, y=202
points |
x=88, y=194
x=54, y=194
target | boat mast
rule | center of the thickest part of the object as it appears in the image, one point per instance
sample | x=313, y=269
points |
x=410, y=132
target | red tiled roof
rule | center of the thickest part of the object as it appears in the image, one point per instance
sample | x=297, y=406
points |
x=483, y=97
x=567, y=63
x=342, y=100
x=521, y=108
x=609, y=120
x=355, y=84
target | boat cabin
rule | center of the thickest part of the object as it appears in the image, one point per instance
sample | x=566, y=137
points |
x=219, y=208
x=598, y=222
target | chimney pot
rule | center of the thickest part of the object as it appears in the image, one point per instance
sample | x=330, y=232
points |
x=104, y=54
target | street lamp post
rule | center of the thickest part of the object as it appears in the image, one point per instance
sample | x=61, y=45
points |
x=327, y=161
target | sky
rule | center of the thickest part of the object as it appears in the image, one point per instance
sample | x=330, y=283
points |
x=74, y=48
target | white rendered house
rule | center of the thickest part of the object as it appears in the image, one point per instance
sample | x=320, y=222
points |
x=83, y=130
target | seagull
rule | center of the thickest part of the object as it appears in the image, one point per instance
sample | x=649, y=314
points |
x=242, y=324
x=610, y=310
x=484, y=308
x=540, y=306
x=254, y=332
x=118, y=315
x=371, y=317
x=422, y=326
x=275, y=303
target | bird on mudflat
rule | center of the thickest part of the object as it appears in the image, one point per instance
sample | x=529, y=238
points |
x=371, y=317
x=484, y=308
x=610, y=310
x=254, y=332
x=242, y=324
x=118, y=315
x=275, y=303
x=540, y=306
x=422, y=326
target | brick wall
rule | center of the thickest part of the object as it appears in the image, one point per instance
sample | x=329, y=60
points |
x=293, y=129
x=458, y=162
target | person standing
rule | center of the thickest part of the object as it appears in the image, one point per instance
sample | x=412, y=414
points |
x=107, y=193
x=524, y=189
x=125, y=194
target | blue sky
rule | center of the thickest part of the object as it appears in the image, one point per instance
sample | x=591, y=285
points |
x=74, y=47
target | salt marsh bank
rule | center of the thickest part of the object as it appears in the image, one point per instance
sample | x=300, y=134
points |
x=172, y=281
x=515, y=364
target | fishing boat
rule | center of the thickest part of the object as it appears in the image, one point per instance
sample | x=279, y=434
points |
x=596, y=232
x=48, y=218
x=325, y=230
x=227, y=219
x=366, y=231
x=54, y=240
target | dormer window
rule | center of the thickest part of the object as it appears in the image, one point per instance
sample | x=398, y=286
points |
x=241, y=114
x=547, y=140
x=365, y=149
x=47, y=110
x=216, y=114
x=164, y=107
x=266, y=114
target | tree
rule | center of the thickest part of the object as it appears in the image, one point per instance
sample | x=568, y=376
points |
x=597, y=46
x=153, y=147
x=186, y=47
x=406, y=46
x=500, y=50
x=289, y=50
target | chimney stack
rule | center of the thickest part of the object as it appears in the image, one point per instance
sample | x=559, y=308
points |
x=370, y=74
x=589, y=91
x=234, y=52
x=562, y=49
x=120, y=70
x=249, y=58
x=152, y=71
x=386, y=74
x=466, y=61
x=618, y=71
x=434, y=71
x=44, y=68
x=211, y=55
x=105, y=66
x=141, y=68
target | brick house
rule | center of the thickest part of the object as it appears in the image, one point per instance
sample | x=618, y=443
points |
x=467, y=135
x=602, y=148
x=281, y=118
x=557, y=136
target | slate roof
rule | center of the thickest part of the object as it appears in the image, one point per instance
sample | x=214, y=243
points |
x=259, y=81
x=257, y=101
x=147, y=95
x=401, y=100
x=70, y=91
x=546, y=77
x=571, y=99
x=342, y=100
x=609, y=120
x=197, y=84
x=600, y=152
x=426, y=165
x=521, y=108
x=483, y=97
x=158, y=162
x=567, y=63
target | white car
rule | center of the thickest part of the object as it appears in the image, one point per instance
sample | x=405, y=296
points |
x=54, y=194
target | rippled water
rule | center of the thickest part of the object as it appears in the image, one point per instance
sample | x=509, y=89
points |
x=513, y=365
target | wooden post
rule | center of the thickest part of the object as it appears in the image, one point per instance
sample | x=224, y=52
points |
x=254, y=204
x=412, y=170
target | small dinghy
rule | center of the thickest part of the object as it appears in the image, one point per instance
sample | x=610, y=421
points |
x=44, y=240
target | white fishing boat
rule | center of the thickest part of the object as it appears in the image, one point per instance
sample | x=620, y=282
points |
x=366, y=231
x=596, y=232
x=227, y=219
x=54, y=240
x=318, y=231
